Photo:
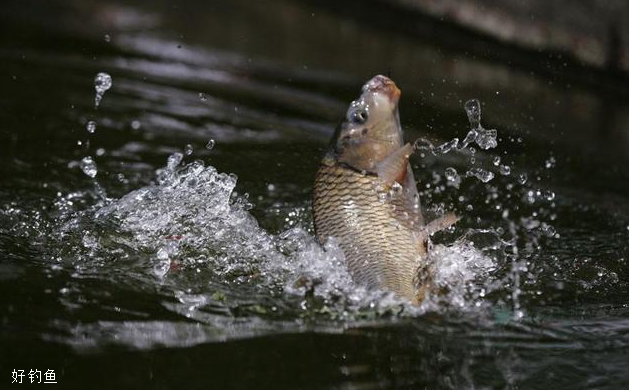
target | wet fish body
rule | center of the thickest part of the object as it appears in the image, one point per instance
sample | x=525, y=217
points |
x=381, y=251
x=365, y=197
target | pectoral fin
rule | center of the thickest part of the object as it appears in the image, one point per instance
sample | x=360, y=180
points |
x=394, y=168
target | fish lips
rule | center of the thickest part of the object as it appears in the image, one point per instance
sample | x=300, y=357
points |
x=384, y=85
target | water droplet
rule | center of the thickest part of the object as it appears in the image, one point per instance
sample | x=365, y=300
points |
x=480, y=174
x=530, y=224
x=91, y=127
x=451, y=174
x=210, y=144
x=396, y=188
x=453, y=178
x=549, y=195
x=202, y=96
x=135, y=125
x=522, y=178
x=88, y=166
x=505, y=170
x=469, y=138
x=100, y=152
x=496, y=160
x=548, y=230
x=102, y=82
x=174, y=160
x=188, y=150
x=472, y=108
x=447, y=146
x=487, y=139
x=423, y=144
x=550, y=163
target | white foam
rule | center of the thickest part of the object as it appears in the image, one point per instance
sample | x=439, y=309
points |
x=191, y=216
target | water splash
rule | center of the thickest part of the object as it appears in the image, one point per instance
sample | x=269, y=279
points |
x=88, y=166
x=102, y=82
x=484, y=138
x=522, y=178
x=504, y=170
x=191, y=220
x=473, y=110
x=452, y=176
x=90, y=127
x=481, y=174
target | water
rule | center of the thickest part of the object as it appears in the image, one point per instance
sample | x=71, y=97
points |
x=88, y=166
x=173, y=244
x=102, y=82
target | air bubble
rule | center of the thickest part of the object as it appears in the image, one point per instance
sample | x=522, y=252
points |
x=188, y=150
x=505, y=170
x=210, y=144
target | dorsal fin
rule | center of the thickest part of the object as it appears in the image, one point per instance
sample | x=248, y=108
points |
x=394, y=168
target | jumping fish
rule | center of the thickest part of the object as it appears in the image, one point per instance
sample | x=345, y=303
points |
x=365, y=197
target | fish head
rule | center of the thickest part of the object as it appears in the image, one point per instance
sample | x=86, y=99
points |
x=371, y=128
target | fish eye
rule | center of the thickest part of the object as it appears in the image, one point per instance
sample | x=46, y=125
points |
x=358, y=116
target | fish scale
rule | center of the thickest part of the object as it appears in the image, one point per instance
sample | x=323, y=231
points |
x=381, y=249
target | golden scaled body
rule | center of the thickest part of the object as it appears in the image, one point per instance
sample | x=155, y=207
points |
x=365, y=197
x=376, y=234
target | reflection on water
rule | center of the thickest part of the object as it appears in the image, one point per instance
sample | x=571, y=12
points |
x=170, y=230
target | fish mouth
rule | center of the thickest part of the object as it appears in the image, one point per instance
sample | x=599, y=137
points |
x=384, y=85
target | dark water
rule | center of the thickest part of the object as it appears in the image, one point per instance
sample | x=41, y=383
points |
x=159, y=274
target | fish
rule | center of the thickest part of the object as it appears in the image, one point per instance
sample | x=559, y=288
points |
x=365, y=197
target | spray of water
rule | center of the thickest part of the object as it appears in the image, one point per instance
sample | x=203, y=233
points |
x=190, y=221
